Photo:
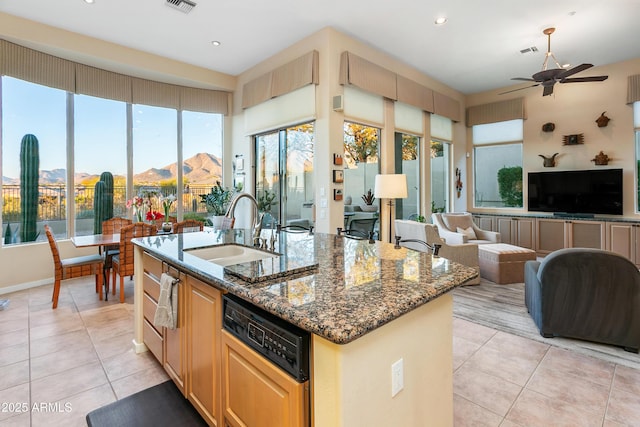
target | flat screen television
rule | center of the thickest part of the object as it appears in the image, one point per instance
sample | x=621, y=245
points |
x=580, y=192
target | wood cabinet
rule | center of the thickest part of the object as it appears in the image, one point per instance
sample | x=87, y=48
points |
x=624, y=239
x=554, y=234
x=204, y=318
x=167, y=345
x=517, y=231
x=258, y=394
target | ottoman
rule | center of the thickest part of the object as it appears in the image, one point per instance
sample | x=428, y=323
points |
x=502, y=263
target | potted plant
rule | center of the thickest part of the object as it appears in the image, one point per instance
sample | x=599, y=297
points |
x=217, y=202
x=368, y=202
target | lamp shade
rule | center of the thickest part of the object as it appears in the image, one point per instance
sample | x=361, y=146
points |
x=391, y=186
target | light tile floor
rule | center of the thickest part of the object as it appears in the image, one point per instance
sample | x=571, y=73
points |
x=61, y=364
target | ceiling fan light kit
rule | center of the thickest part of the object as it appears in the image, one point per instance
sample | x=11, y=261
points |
x=548, y=77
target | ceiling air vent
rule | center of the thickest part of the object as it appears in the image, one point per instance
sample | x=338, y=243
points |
x=531, y=49
x=182, y=5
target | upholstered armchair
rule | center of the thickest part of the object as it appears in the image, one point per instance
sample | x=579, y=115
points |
x=458, y=228
x=588, y=294
x=465, y=254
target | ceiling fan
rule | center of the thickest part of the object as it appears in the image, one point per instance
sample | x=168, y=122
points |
x=548, y=77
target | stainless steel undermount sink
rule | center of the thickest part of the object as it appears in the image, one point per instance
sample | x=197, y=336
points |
x=230, y=254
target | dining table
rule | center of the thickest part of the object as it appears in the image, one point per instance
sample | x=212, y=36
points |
x=101, y=241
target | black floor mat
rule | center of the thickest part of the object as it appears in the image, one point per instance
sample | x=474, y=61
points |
x=158, y=406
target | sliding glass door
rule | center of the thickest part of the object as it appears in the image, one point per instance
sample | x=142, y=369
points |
x=284, y=185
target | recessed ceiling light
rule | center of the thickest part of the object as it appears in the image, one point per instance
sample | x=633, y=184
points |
x=89, y=1
x=215, y=43
x=441, y=20
x=566, y=65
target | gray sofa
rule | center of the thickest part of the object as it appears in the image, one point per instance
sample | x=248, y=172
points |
x=588, y=294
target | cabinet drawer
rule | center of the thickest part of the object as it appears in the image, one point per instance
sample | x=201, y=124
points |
x=152, y=265
x=149, y=307
x=152, y=339
x=151, y=286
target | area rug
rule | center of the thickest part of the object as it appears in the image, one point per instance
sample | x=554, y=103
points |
x=158, y=406
x=501, y=307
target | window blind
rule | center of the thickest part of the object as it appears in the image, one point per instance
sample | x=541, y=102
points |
x=496, y=112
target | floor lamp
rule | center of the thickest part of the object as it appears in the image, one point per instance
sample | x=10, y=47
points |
x=390, y=186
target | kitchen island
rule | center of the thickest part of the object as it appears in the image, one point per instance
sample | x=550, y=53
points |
x=367, y=306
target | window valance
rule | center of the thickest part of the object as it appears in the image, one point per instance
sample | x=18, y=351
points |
x=287, y=78
x=494, y=112
x=370, y=77
x=367, y=76
x=48, y=70
x=633, y=89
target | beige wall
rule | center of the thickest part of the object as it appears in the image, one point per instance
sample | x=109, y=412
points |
x=574, y=108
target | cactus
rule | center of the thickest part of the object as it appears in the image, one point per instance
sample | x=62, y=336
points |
x=29, y=169
x=99, y=206
x=7, y=235
x=102, y=201
x=107, y=178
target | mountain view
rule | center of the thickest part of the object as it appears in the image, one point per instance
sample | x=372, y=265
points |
x=203, y=168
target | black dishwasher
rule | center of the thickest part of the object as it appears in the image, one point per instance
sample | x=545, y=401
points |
x=280, y=342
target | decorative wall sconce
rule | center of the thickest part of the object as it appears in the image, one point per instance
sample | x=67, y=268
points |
x=548, y=162
x=601, y=159
x=548, y=127
x=603, y=120
x=573, y=139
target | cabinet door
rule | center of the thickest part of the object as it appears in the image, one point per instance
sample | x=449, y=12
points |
x=525, y=231
x=505, y=227
x=587, y=234
x=622, y=239
x=204, y=318
x=256, y=393
x=551, y=235
x=175, y=339
x=485, y=222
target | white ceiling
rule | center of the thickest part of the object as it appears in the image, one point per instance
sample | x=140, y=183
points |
x=478, y=48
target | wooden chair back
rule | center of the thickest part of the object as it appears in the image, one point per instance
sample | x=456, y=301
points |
x=69, y=268
x=128, y=232
x=113, y=225
x=187, y=226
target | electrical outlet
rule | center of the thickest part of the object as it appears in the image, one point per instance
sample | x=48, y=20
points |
x=397, y=377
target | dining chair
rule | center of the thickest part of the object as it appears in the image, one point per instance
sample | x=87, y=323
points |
x=122, y=264
x=362, y=227
x=112, y=226
x=188, y=226
x=70, y=268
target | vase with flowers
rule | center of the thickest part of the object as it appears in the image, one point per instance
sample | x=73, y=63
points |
x=137, y=204
x=167, y=202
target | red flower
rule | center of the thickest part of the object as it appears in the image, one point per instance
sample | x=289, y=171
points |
x=154, y=215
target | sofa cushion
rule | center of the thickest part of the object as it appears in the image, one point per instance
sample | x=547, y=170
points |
x=468, y=232
x=453, y=221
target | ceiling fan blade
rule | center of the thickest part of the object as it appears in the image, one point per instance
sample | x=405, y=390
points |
x=521, y=88
x=548, y=90
x=524, y=79
x=574, y=70
x=585, y=79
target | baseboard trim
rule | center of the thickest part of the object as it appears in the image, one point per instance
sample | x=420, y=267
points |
x=28, y=285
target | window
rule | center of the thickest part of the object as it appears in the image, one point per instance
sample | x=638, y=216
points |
x=440, y=189
x=202, y=159
x=361, y=165
x=440, y=154
x=498, y=164
x=100, y=127
x=99, y=144
x=28, y=108
x=285, y=188
x=407, y=162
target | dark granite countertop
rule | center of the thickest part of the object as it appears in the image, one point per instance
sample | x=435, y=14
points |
x=340, y=288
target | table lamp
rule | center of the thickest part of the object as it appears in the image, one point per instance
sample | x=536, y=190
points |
x=390, y=186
